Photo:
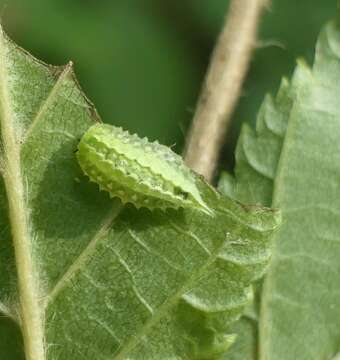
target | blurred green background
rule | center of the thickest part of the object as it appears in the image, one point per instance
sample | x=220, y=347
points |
x=142, y=62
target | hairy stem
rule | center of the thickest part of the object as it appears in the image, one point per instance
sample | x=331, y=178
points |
x=222, y=86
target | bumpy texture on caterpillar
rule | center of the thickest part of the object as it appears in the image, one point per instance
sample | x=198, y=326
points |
x=137, y=171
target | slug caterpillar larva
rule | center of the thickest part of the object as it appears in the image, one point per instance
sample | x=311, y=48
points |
x=136, y=170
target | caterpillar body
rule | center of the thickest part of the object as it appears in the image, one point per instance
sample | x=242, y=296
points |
x=137, y=171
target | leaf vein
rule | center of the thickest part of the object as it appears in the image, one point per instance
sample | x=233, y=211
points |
x=159, y=313
x=77, y=265
x=135, y=237
x=47, y=102
x=192, y=235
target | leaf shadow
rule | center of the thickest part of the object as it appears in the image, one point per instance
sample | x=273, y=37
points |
x=66, y=204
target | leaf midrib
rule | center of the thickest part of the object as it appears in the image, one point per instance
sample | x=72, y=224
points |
x=31, y=317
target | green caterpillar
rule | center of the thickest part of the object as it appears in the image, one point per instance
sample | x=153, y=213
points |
x=137, y=171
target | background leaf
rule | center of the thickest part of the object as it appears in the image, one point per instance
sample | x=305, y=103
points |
x=90, y=278
x=291, y=162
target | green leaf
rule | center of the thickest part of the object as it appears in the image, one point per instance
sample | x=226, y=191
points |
x=83, y=276
x=292, y=162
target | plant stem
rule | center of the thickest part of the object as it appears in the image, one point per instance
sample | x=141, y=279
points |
x=228, y=68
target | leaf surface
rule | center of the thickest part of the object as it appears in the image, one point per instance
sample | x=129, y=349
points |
x=81, y=276
x=292, y=162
